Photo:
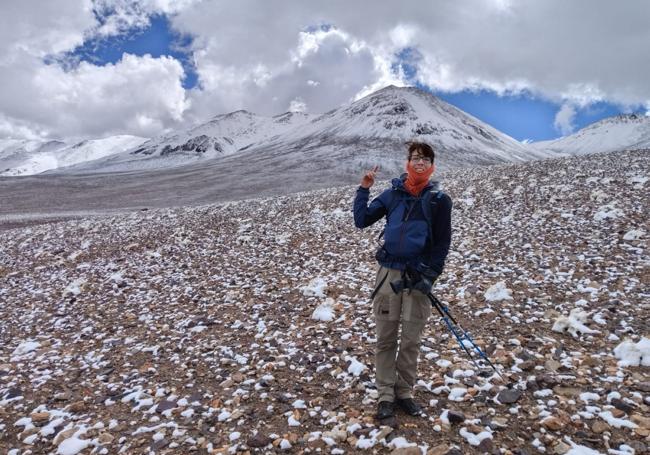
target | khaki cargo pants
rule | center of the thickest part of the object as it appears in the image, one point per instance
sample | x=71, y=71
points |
x=396, y=363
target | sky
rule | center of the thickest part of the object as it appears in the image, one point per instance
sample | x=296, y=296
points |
x=535, y=70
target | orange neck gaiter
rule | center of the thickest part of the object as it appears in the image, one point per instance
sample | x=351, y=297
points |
x=415, y=182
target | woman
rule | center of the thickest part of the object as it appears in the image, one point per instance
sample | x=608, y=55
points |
x=417, y=236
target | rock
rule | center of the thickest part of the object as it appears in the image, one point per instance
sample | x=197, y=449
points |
x=600, y=427
x=567, y=391
x=227, y=383
x=454, y=451
x=259, y=441
x=62, y=396
x=618, y=413
x=440, y=449
x=527, y=365
x=105, y=438
x=547, y=381
x=236, y=414
x=525, y=355
x=159, y=444
x=455, y=417
x=13, y=393
x=508, y=396
x=195, y=397
x=485, y=445
x=622, y=405
x=642, y=386
x=385, y=431
x=552, y=423
x=561, y=448
x=238, y=377
x=498, y=423
x=40, y=417
x=642, y=432
x=643, y=422
x=77, y=406
x=415, y=450
x=165, y=405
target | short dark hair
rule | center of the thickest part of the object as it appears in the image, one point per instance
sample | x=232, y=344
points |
x=425, y=149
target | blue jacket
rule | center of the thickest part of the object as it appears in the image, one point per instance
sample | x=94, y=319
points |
x=407, y=239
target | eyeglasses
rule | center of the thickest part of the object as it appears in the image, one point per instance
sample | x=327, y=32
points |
x=422, y=159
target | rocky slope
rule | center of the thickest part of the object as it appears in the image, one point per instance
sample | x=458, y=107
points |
x=193, y=330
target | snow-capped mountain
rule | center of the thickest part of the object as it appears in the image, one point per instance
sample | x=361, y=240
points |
x=375, y=128
x=16, y=154
x=221, y=136
x=35, y=157
x=370, y=130
x=621, y=132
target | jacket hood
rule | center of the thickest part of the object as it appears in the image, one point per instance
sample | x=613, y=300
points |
x=398, y=184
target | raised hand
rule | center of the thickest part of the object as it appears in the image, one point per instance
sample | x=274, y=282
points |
x=369, y=177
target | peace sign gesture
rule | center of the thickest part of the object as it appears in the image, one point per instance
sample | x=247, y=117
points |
x=369, y=177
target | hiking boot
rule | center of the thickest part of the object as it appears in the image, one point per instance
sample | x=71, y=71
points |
x=409, y=406
x=385, y=409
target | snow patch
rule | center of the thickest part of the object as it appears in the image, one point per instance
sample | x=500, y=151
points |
x=356, y=367
x=315, y=288
x=497, y=292
x=632, y=354
x=324, y=311
x=26, y=347
x=574, y=323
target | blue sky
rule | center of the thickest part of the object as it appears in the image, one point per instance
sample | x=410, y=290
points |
x=157, y=39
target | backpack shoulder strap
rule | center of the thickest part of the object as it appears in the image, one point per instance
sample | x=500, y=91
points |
x=430, y=208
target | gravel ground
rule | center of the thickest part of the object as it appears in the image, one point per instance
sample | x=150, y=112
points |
x=192, y=329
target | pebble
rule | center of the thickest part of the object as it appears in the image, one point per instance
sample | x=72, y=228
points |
x=600, y=427
x=552, y=423
x=455, y=417
x=509, y=396
x=258, y=441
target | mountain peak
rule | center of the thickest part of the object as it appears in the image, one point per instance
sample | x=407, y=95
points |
x=235, y=114
x=625, y=118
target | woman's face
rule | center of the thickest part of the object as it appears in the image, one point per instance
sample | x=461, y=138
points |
x=420, y=163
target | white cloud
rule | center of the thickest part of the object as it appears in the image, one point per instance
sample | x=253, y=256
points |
x=322, y=69
x=297, y=105
x=261, y=56
x=137, y=95
x=564, y=119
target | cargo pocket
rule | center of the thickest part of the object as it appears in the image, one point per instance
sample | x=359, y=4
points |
x=385, y=308
x=417, y=307
x=381, y=308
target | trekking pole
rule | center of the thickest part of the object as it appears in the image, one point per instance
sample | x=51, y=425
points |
x=461, y=334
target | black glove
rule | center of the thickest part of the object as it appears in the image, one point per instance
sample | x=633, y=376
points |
x=422, y=278
x=424, y=285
